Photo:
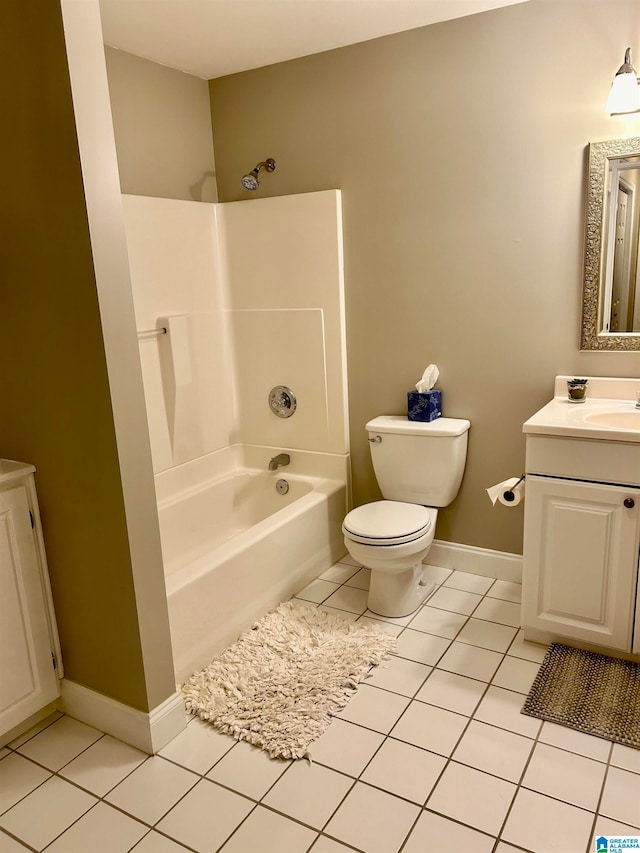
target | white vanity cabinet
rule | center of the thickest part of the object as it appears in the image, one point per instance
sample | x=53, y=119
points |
x=582, y=519
x=581, y=561
x=29, y=646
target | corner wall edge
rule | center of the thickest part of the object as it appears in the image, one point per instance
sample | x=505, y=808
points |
x=146, y=731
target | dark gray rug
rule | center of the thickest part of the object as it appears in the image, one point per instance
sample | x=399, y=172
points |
x=592, y=693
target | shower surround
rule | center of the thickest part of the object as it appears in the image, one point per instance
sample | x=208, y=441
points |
x=251, y=294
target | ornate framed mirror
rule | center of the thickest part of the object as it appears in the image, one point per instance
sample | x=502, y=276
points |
x=611, y=289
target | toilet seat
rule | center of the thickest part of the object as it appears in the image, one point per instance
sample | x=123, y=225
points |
x=386, y=523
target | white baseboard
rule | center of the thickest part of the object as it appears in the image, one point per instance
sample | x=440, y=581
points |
x=146, y=731
x=476, y=561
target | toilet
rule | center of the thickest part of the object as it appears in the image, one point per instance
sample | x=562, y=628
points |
x=419, y=467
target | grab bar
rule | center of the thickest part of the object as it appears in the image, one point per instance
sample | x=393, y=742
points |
x=151, y=333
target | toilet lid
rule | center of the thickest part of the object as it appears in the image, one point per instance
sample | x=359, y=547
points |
x=387, y=523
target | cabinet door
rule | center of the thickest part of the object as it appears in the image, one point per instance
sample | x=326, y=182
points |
x=580, y=560
x=28, y=680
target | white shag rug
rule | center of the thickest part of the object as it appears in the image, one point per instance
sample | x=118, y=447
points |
x=281, y=683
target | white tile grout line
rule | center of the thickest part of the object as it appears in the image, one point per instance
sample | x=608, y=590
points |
x=200, y=777
x=284, y=814
x=388, y=735
x=355, y=780
x=471, y=717
x=98, y=798
x=599, y=803
x=264, y=795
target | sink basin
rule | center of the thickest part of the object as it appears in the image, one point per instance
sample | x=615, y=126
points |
x=615, y=420
x=608, y=414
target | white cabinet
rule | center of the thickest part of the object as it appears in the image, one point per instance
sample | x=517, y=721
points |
x=29, y=647
x=582, y=518
x=581, y=561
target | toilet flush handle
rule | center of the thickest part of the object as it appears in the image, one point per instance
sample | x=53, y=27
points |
x=376, y=439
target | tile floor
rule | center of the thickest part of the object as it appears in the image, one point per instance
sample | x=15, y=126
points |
x=431, y=754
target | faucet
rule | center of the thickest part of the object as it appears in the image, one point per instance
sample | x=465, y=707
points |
x=279, y=461
x=637, y=399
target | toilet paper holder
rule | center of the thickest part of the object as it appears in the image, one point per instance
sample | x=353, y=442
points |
x=509, y=494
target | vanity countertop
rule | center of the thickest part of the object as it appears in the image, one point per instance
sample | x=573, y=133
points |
x=585, y=420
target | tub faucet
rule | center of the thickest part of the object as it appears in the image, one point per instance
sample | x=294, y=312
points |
x=279, y=461
x=637, y=399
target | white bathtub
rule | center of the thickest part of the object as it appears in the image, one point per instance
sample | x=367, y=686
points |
x=233, y=547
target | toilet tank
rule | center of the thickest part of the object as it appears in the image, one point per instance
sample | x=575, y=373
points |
x=416, y=462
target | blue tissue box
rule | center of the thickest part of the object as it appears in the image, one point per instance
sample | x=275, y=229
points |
x=424, y=407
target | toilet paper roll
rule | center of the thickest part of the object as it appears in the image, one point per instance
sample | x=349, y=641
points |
x=509, y=492
x=513, y=495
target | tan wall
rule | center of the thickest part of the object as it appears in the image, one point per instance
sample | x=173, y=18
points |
x=460, y=152
x=162, y=124
x=56, y=407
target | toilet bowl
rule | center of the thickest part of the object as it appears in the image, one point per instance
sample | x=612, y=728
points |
x=419, y=467
x=392, y=538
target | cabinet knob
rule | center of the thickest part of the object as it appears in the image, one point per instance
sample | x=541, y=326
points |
x=629, y=503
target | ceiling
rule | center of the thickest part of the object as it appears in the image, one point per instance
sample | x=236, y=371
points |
x=211, y=38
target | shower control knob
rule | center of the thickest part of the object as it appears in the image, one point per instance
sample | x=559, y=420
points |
x=629, y=503
x=282, y=401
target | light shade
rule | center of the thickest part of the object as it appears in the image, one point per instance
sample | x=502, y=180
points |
x=624, y=96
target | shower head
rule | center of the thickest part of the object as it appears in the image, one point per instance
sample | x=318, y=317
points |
x=250, y=181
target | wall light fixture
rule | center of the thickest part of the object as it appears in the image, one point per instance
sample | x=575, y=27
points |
x=624, y=97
